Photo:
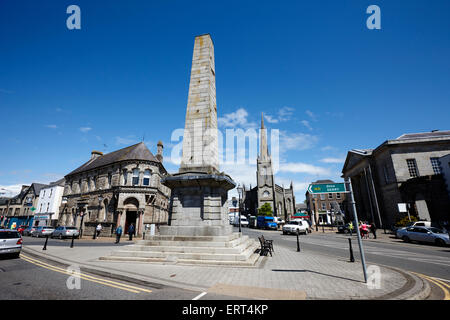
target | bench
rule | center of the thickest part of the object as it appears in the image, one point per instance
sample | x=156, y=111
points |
x=266, y=246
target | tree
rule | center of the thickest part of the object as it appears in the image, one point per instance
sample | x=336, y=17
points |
x=265, y=210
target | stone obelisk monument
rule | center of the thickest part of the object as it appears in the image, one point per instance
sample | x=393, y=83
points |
x=199, y=191
x=198, y=230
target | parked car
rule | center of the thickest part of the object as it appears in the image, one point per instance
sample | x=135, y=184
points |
x=244, y=221
x=10, y=242
x=345, y=228
x=29, y=231
x=296, y=226
x=265, y=222
x=424, y=234
x=412, y=224
x=65, y=232
x=43, y=231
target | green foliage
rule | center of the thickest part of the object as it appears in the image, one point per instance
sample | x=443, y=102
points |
x=265, y=210
x=405, y=220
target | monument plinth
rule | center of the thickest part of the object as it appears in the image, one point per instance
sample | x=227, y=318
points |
x=198, y=229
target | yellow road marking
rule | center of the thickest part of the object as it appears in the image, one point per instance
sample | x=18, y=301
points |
x=439, y=283
x=86, y=277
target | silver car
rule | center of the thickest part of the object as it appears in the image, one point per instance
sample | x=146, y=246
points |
x=424, y=234
x=43, y=231
x=65, y=232
x=10, y=242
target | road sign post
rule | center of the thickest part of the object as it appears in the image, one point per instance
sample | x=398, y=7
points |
x=361, y=249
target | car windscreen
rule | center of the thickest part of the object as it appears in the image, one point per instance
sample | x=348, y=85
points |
x=294, y=222
x=9, y=235
x=71, y=228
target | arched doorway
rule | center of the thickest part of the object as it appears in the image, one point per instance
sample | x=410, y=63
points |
x=131, y=206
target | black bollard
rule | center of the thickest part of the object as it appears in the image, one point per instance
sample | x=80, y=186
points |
x=45, y=245
x=143, y=235
x=73, y=237
x=298, y=244
x=352, y=258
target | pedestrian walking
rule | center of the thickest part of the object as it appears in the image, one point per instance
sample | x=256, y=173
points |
x=350, y=228
x=98, y=229
x=373, y=229
x=118, y=234
x=131, y=231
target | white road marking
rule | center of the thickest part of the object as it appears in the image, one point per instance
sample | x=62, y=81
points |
x=200, y=295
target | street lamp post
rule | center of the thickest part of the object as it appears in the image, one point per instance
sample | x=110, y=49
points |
x=239, y=189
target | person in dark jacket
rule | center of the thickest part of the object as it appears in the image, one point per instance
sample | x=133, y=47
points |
x=118, y=234
x=131, y=231
x=373, y=229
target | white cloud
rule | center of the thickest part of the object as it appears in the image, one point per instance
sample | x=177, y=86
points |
x=85, y=129
x=11, y=190
x=270, y=119
x=306, y=124
x=129, y=140
x=235, y=119
x=333, y=160
x=52, y=126
x=311, y=115
x=296, y=141
x=329, y=148
x=300, y=167
x=285, y=113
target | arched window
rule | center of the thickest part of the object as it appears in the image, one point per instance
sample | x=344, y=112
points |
x=266, y=193
x=146, y=180
x=135, y=177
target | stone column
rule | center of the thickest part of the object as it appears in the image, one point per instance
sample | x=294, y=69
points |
x=200, y=142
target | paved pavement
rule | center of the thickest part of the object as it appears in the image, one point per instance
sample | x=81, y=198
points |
x=288, y=274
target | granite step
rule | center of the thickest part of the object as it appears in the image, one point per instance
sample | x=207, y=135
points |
x=223, y=244
x=193, y=253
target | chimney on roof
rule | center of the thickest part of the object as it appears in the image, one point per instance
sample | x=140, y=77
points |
x=159, y=152
x=95, y=154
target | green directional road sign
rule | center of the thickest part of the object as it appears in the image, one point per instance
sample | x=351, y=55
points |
x=33, y=209
x=327, y=188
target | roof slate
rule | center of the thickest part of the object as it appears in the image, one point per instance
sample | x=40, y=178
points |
x=135, y=152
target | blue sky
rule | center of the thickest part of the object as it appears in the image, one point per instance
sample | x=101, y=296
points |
x=324, y=80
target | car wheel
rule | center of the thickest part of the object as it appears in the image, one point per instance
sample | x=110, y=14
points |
x=406, y=239
x=284, y=232
x=439, y=242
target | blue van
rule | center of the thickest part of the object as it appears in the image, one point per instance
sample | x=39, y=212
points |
x=264, y=222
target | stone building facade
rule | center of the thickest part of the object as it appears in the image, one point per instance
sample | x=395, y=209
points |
x=402, y=170
x=281, y=200
x=118, y=188
x=20, y=209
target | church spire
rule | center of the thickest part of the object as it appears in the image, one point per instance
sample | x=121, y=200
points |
x=263, y=148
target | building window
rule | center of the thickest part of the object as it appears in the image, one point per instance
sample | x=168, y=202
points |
x=125, y=176
x=330, y=196
x=436, y=165
x=135, y=177
x=412, y=168
x=324, y=206
x=109, y=180
x=146, y=181
x=338, y=196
